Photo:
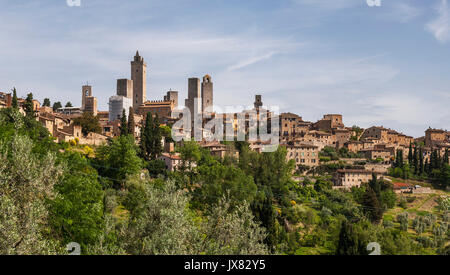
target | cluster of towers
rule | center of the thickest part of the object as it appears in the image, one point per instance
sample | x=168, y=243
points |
x=133, y=93
x=200, y=95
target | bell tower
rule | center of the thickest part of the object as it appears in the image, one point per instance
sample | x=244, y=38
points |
x=139, y=77
x=86, y=91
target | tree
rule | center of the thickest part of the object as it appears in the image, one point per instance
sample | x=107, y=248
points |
x=29, y=110
x=410, y=154
x=233, y=231
x=348, y=243
x=118, y=160
x=77, y=211
x=46, y=102
x=399, y=159
x=131, y=123
x=372, y=206
x=56, y=106
x=421, y=164
x=159, y=220
x=15, y=103
x=123, y=124
x=69, y=104
x=89, y=123
x=428, y=167
x=445, y=159
x=150, y=143
x=27, y=181
x=416, y=161
x=265, y=213
x=444, y=176
x=222, y=181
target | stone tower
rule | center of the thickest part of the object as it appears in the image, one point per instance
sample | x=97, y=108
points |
x=258, y=102
x=86, y=91
x=125, y=88
x=207, y=94
x=194, y=92
x=172, y=96
x=139, y=77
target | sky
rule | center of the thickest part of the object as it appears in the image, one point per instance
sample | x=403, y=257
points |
x=386, y=65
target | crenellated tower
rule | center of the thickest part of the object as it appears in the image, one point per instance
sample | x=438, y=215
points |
x=139, y=77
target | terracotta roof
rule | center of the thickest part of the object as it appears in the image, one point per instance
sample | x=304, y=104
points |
x=177, y=157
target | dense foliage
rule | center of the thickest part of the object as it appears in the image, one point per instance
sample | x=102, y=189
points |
x=119, y=199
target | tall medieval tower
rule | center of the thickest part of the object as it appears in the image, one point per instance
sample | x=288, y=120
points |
x=207, y=94
x=86, y=91
x=139, y=77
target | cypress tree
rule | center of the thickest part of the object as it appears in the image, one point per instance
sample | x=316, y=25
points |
x=446, y=157
x=146, y=137
x=29, y=105
x=421, y=166
x=434, y=160
x=131, y=124
x=415, y=161
x=156, y=142
x=376, y=186
x=15, y=103
x=372, y=206
x=428, y=167
x=410, y=154
x=123, y=124
x=401, y=158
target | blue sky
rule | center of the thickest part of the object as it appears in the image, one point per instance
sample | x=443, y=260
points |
x=386, y=65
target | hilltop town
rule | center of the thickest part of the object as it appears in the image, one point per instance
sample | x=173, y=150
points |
x=371, y=150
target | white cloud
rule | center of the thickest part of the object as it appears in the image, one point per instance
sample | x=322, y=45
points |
x=250, y=61
x=440, y=27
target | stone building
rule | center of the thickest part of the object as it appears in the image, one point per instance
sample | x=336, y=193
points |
x=329, y=123
x=380, y=151
x=342, y=137
x=220, y=150
x=348, y=178
x=384, y=135
x=172, y=96
x=434, y=137
x=379, y=133
x=320, y=139
x=91, y=105
x=354, y=146
x=172, y=161
x=162, y=108
x=139, y=77
x=303, y=154
x=289, y=124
